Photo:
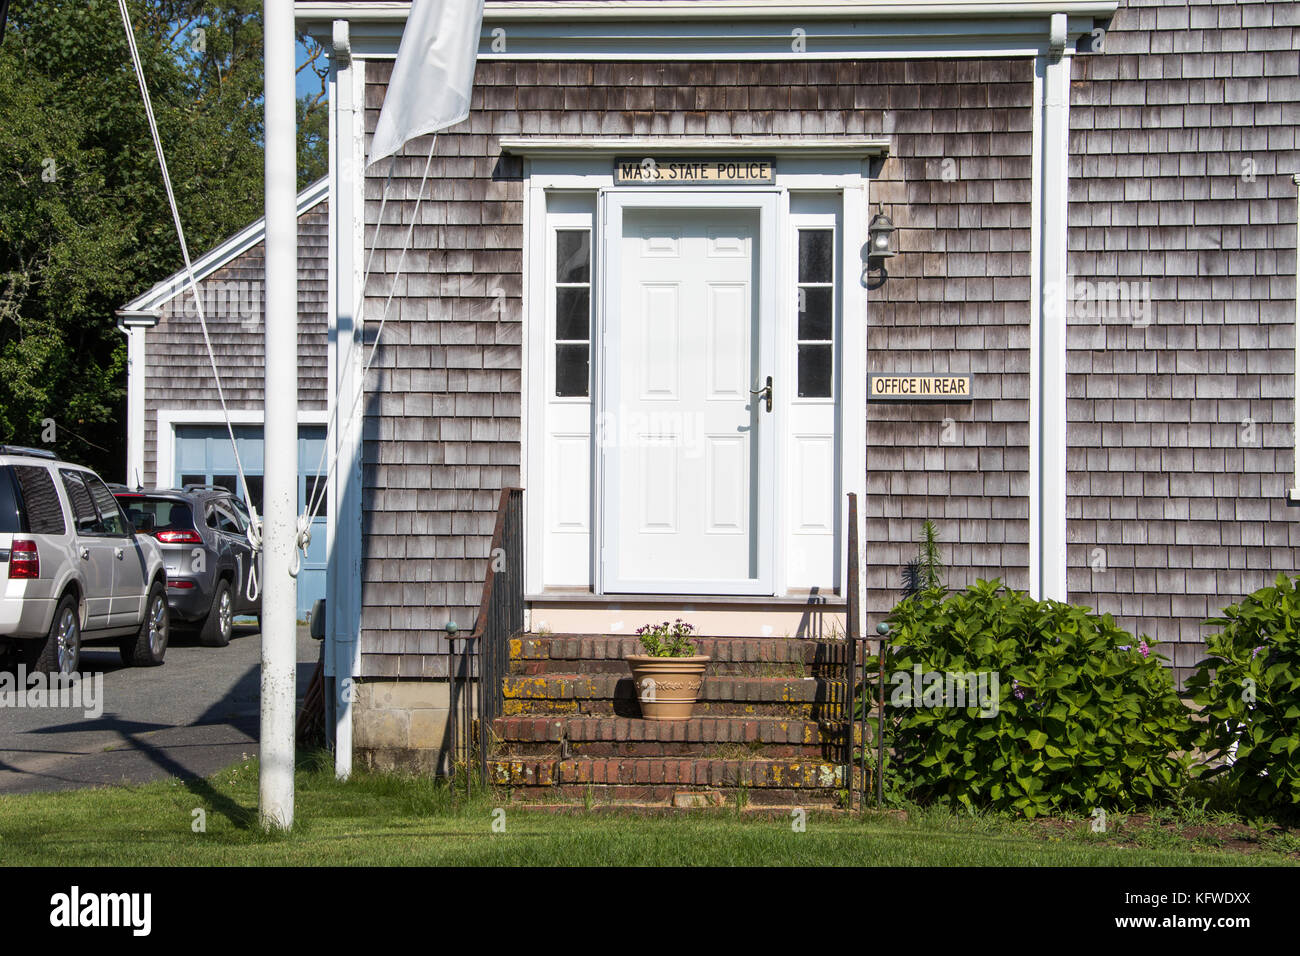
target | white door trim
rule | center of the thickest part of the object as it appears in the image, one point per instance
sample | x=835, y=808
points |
x=613, y=203
x=544, y=177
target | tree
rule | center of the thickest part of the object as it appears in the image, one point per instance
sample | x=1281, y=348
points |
x=84, y=222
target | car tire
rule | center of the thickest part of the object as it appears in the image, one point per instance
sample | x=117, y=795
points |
x=60, y=650
x=221, y=617
x=149, y=644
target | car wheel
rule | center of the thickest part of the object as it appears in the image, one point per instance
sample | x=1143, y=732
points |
x=60, y=652
x=147, y=647
x=221, y=618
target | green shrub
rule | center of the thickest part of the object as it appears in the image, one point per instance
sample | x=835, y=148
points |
x=1086, y=717
x=1249, y=691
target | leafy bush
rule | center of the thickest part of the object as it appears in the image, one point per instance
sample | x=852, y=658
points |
x=1085, y=718
x=1249, y=691
x=667, y=640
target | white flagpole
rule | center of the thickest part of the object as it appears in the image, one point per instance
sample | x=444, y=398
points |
x=280, y=438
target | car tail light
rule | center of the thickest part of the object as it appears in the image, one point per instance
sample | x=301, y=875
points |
x=179, y=537
x=183, y=585
x=24, y=562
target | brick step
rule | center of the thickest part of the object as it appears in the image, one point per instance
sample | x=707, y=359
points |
x=722, y=650
x=614, y=694
x=778, y=774
x=569, y=797
x=698, y=737
x=532, y=668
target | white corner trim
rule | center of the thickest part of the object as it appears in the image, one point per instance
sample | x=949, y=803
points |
x=169, y=418
x=219, y=256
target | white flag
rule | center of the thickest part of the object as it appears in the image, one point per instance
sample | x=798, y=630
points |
x=433, y=75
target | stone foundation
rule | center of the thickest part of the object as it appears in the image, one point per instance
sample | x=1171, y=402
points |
x=400, y=725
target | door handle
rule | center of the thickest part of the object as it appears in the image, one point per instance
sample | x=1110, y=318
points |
x=117, y=553
x=85, y=553
x=765, y=391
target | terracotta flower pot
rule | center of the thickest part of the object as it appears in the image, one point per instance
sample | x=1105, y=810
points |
x=666, y=687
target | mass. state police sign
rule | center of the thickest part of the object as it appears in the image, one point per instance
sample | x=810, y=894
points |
x=681, y=171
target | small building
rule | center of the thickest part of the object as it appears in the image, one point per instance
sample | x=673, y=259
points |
x=641, y=286
x=176, y=432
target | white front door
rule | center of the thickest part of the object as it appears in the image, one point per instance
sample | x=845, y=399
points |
x=687, y=445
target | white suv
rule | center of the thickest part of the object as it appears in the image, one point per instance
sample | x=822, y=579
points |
x=73, y=568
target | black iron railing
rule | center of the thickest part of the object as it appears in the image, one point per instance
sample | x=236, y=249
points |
x=478, y=662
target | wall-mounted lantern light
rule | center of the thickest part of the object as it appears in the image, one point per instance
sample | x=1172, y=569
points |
x=880, y=237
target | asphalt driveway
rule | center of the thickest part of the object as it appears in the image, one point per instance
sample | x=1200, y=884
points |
x=190, y=717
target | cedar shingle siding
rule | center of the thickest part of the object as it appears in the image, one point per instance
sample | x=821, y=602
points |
x=445, y=434
x=1185, y=500
x=179, y=374
x=1189, y=515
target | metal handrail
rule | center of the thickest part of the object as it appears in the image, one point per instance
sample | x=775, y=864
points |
x=484, y=652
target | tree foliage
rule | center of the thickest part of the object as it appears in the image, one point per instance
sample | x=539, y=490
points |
x=84, y=222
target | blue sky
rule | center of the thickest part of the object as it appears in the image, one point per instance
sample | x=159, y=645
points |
x=307, y=81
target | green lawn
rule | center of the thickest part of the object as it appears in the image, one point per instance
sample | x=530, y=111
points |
x=374, y=820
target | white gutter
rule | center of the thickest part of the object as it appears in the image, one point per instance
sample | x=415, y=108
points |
x=577, y=146
x=676, y=10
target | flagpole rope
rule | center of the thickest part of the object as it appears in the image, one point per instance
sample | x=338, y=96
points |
x=318, y=491
x=352, y=354
x=253, y=531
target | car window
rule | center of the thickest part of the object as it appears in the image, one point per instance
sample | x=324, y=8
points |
x=237, y=513
x=84, y=515
x=114, y=521
x=168, y=513
x=223, y=519
x=11, y=521
x=43, y=511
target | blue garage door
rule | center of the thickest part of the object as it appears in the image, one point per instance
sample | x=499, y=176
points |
x=204, y=457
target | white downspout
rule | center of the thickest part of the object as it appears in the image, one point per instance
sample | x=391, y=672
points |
x=342, y=605
x=1049, y=320
x=135, y=325
x=1294, y=493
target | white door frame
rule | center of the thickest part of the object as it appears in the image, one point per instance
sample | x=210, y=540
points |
x=800, y=169
x=612, y=204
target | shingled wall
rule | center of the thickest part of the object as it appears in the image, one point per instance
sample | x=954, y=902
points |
x=443, y=429
x=1182, y=145
x=179, y=374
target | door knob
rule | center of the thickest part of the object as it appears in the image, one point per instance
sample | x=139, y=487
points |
x=765, y=391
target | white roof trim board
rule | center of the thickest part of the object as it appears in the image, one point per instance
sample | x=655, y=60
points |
x=214, y=259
